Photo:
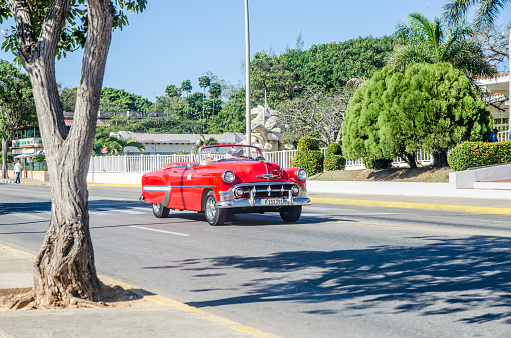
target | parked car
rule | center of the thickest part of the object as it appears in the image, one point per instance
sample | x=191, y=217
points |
x=226, y=179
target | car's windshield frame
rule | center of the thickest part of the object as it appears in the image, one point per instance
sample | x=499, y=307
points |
x=228, y=152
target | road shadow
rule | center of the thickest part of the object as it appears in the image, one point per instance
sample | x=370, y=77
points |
x=467, y=276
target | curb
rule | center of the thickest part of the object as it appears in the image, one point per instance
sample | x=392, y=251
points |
x=409, y=205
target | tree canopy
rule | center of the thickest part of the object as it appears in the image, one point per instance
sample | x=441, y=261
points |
x=432, y=107
x=432, y=41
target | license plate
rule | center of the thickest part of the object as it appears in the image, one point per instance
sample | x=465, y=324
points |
x=272, y=201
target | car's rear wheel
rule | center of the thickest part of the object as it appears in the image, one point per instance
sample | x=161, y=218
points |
x=160, y=211
x=291, y=214
x=214, y=215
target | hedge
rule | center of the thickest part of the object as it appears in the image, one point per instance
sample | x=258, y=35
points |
x=333, y=158
x=308, y=156
x=477, y=154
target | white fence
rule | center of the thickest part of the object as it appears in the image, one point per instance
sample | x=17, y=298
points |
x=145, y=163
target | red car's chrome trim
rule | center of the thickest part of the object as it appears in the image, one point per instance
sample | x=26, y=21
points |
x=192, y=186
x=155, y=188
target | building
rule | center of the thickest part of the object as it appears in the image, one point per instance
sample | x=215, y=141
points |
x=497, y=88
x=27, y=142
x=166, y=144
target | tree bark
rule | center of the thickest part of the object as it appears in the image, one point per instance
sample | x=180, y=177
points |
x=410, y=160
x=440, y=159
x=64, y=268
x=5, y=146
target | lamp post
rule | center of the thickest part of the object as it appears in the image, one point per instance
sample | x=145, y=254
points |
x=247, y=77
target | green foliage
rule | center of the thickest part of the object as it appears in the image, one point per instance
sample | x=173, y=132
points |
x=308, y=156
x=310, y=160
x=328, y=66
x=74, y=34
x=113, y=145
x=186, y=86
x=307, y=143
x=378, y=163
x=152, y=125
x=205, y=142
x=39, y=158
x=68, y=98
x=172, y=91
x=432, y=41
x=204, y=81
x=476, y=154
x=331, y=65
x=432, y=107
x=215, y=90
x=116, y=100
x=333, y=158
x=232, y=117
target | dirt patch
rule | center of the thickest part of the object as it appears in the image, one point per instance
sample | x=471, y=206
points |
x=424, y=174
x=111, y=296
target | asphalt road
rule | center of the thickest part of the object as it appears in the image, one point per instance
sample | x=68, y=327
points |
x=341, y=271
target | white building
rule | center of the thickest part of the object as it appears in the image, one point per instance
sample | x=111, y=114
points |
x=166, y=144
x=498, y=87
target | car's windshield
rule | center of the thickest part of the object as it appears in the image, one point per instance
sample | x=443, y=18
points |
x=229, y=153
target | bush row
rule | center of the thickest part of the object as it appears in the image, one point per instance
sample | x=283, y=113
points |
x=476, y=154
x=310, y=157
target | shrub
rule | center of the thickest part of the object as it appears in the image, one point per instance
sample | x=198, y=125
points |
x=378, y=163
x=39, y=158
x=307, y=143
x=476, y=154
x=310, y=160
x=333, y=158
x=308, y=156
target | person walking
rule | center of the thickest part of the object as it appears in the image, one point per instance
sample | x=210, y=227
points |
x=17, y=171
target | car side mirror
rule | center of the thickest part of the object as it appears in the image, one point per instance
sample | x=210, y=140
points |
x=189, y=166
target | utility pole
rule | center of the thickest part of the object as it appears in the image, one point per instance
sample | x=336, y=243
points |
x=247, y=77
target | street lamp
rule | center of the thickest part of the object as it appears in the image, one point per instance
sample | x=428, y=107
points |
x=247, y=77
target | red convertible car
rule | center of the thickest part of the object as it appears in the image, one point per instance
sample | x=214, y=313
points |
x=226, y=179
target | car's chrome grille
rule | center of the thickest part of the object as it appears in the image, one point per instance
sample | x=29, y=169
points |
x=266, y=190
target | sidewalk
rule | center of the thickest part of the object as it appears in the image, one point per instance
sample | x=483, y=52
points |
x=167, y=318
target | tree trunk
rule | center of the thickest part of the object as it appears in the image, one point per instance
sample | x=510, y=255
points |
x=440, y=159
x=410, y=160
x=5, y=146
x=64, y=268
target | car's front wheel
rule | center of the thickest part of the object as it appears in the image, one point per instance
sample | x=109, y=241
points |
x=291, y=214
x=214, y=215
x=160, y=211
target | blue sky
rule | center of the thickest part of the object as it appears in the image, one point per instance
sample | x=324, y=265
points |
x=177, y=40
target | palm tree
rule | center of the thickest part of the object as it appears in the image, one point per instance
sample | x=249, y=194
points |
x=118, y=145
x=431, y=41
x=485, y=16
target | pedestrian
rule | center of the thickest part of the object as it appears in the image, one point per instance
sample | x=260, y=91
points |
x=493, y=135
x=17, y=171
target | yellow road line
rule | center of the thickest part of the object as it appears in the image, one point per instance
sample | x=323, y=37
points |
x=173, y=303
x=409, y=205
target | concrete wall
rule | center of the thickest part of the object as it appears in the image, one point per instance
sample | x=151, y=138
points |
x=42, y=176
x=465, y=179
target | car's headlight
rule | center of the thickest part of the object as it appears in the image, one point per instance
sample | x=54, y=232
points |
x=228, y=176
x=301, y=174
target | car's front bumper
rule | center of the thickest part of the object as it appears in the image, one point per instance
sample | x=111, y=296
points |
x=247, y=203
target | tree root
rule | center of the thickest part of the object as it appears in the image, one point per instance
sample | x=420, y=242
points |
x=24, y=301
x=28, y=301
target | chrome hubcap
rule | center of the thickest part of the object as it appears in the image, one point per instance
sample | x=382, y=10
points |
x=156, y=208
x=210, y=209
